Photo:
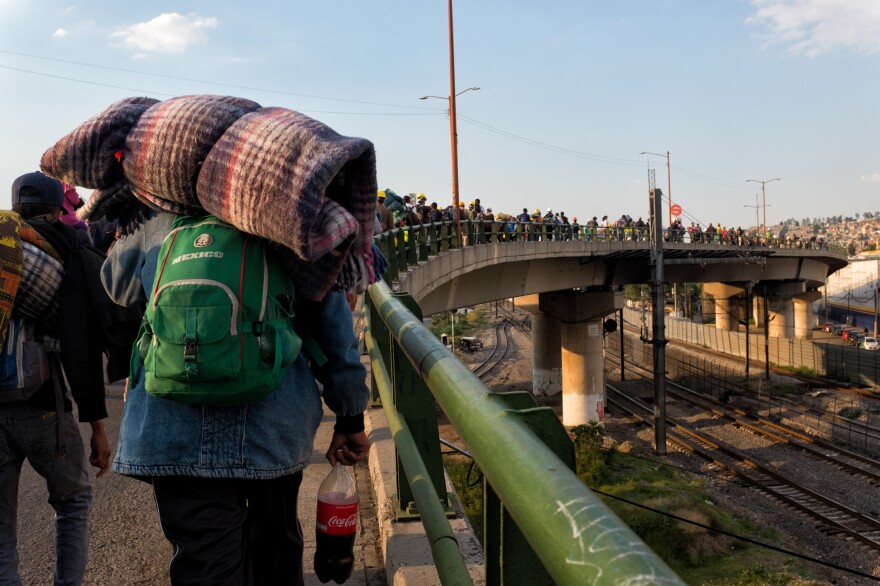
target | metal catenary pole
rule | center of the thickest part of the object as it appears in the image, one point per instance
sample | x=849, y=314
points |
x=659, y=341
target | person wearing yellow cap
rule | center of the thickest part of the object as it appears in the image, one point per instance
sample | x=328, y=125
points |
x=535, y=226
x=467, y=229
x=386, y=218
x=423, y=209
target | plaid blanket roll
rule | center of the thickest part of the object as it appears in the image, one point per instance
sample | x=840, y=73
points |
x=106, y=203
x=165, y=149
x=271, y=173
x=87, y=155
x=37, y=296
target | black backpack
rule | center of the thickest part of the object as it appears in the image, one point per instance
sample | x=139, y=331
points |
x=410, y=218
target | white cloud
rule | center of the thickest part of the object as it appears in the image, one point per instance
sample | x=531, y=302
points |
x=170, y=33
x=813, y=27
x=59, y=34
x=871, y=178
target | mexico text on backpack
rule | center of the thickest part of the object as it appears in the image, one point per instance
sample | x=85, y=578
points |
x=218, y=326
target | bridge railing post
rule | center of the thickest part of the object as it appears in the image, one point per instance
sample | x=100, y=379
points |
x=387, y=246
x=434, y=239
x=400, y=237
x=414, y=401
x=508, y=556
x=424, y=243
x=412, y=237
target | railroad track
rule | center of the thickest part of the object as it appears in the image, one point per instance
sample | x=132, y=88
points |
x=849, y=461
x=812, y=382
x=839, y=426
x=776, y=432
x=499, y=350
x=836, y=518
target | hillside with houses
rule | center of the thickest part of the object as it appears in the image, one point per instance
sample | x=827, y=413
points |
x=859, y=233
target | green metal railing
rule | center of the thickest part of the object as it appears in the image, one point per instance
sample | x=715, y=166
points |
x=541, y=524
x=409, y=245
x=574, y=535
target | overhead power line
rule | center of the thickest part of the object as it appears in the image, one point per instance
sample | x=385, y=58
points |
x=206, y=82
x=424, y=111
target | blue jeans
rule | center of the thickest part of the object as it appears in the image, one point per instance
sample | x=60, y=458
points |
x=28, y=432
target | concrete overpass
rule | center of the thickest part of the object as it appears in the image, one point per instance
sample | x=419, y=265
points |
x=501, y=270
x=570, y=286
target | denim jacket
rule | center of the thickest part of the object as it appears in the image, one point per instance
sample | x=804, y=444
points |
x=261, y=440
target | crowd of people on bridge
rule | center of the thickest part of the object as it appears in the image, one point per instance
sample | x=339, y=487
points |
x=484, y=225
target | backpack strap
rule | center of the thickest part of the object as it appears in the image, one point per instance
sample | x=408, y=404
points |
x=55, y=375
x=312, y=346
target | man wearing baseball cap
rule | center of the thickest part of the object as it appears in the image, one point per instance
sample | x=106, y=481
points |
x=30, y=427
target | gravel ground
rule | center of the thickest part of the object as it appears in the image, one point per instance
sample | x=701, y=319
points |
x=797, y=532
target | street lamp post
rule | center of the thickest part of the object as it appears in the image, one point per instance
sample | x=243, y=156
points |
x=763, y=198
x=453, y=129
x=668, y=181
x=453, y=139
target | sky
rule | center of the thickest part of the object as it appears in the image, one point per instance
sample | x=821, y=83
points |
x=570, y=93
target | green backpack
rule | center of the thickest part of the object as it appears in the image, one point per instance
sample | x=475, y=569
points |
x=217, y=329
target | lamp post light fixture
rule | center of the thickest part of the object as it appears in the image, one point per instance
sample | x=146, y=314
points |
x=763, y=198
x=668, y=181
x=453, y=138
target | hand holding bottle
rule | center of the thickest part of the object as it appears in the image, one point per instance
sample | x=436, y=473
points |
x=336, y=526
x=348, y=448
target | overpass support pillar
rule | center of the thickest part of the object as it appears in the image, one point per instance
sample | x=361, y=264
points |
x=725, y=318
x=728, y=302
x=758, y=309
x=583, y=373
x=583, y=350
x=546, y=355
x=781, y=315
x=803, y=314
x=707, y=306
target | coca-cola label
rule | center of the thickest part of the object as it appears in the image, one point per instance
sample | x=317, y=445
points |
x=334, y=519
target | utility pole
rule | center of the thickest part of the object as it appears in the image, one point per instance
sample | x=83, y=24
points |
x=669, y=200
x=876, y=293
x=668, y=180
x=453, y=131
x=658, y=341
x=763, y=198
x=746, y=322
x=757, y=207
x=669, y=187
x=766, y=335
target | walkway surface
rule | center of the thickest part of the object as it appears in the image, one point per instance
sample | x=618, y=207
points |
x=127, y=545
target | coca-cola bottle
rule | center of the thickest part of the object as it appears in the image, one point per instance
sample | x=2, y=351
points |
x=335, y=526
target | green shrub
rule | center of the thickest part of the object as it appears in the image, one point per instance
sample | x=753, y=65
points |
x=591, y=458
x=468, y=483
x=850, y=412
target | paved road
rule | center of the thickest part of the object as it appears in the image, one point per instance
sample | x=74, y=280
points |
x=127, y=545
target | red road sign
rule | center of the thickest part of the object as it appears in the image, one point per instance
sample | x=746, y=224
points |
x=675, y=210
